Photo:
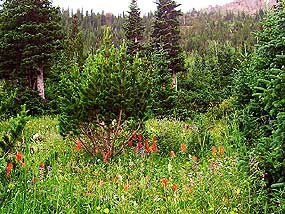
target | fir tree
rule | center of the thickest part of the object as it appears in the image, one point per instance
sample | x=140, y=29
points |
x=30, y=35
x=166, y=35
x=134, y=28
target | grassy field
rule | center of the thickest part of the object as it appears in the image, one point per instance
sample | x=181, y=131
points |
x=210, y=175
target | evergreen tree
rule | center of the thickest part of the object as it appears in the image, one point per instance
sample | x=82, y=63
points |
x=134, y=28
x=166, y=35
x=30, y=35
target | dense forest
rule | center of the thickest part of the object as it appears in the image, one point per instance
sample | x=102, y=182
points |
x=166, y=112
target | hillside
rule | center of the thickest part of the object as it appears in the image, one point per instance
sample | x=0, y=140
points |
x=248, y=6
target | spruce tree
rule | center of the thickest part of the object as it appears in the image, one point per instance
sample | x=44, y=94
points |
x=166, y=35
x=134, y=28
x=30, y=36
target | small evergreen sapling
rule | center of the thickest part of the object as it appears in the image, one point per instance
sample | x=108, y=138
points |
x=104, y=104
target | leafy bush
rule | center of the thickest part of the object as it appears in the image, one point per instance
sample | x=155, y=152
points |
x=111, y=92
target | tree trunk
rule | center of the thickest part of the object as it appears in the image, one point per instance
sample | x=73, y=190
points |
x=174, y=80
x=40, y=82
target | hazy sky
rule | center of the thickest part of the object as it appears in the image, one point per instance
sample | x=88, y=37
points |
x=118, y=6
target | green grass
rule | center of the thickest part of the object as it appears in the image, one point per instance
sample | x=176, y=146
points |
x=78, y=183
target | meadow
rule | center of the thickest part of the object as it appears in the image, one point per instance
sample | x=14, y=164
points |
x=206, y=172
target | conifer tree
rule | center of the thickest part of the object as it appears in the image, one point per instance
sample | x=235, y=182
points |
x=134, y=28
x=166, y=35
x=31, y=34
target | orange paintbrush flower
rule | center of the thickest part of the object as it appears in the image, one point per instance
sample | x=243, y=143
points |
x=221, y=150
x=126, y=187
x=154, y=138
x=164, y=182
x=140, y=138
x=147, y=147
x=183, y=147
x=96, y=150
x=42, y=165
x=174, y=187
x=130, y=143
x=154, y=147
x=195, y=158
x=214, y=150
x=78, y=146
x=19, y=156
x=9, y=168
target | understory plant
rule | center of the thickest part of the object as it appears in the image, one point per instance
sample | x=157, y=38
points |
x=104, y=105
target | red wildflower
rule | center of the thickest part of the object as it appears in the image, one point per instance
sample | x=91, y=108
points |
x=78, y=146
x=140, y=138
x=19, y=156
x=9, y=167
x=134, y=137
x=96, y=150
x=139, y=146
x=34, y=180
x=183, y=147
x=147, y=147
x=172, y=154
x=154, y=147
x=130, y=143
x=174, y=187
x=164, y=182
x=42, y=165
x=154, y=138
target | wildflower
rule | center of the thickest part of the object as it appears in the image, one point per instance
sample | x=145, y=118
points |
x=221, y=150
x=134, y=137
x=214, y=150
x=98, y=208
x=23, y=164
x=172, y=154
x=126, y=187
x=140, y=138
x=183, y=147
x=42, y=165
x=147, y=147
x=164, y=182
x=154, y=138
x=42, y=171
x=195, y=158
x=34, y=180
x=130, y=143
x=174, y=187
x=96, y=150
x=154, y=147
x=9, y=167
x=139, y=146
x=106, y=210
x=78, y=146
x=19, y=156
